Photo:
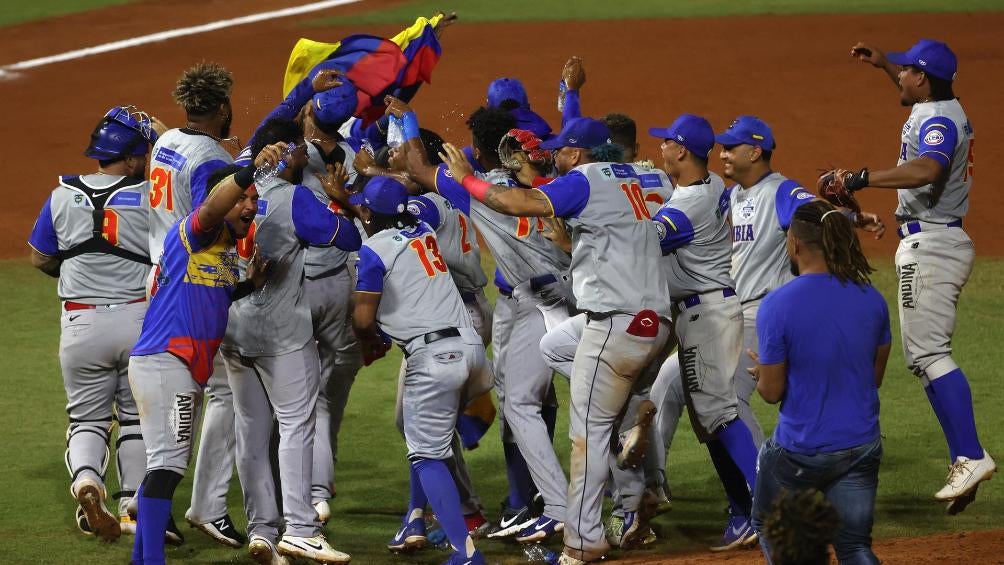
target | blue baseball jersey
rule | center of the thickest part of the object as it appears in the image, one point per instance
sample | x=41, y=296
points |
x=827, y=332
x=191, y=297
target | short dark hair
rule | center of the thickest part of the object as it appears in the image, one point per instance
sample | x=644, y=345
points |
x=488, y=127
x=766, y=155
x=623, y=129
x=275, y=130
x=433, y=144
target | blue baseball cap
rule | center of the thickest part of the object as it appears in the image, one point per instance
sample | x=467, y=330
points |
x=502, y=89
x=335, y=106
x=932, y=57
x=748, y=130
x=690, y=131
x=584, y=133
x=382, y=195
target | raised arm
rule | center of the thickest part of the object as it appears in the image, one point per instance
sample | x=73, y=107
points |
x=574, y=75
x=876, y=58
x=507, y=200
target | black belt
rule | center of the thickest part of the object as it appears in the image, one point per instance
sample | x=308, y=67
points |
x=433, y=337
x=536, y=283
x=326, y=274
x=910, y=228
x=695, y=299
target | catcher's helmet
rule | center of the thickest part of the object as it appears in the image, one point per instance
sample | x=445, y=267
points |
x=122, y=132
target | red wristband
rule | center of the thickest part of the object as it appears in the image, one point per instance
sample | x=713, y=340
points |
x=477, y=187
x=335, y=207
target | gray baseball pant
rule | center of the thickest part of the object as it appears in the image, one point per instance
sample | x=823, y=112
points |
x=340, y=360
x=214, y=464
x=287, y=385
x=94, y=350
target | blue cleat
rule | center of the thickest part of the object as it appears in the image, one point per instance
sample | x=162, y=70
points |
x=540, y=530
x=410, y=537
x=459, y=558
x=738, y=533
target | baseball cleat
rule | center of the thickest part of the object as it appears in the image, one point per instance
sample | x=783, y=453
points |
x=512, y=522
x=410, y=537
x=614, y=530
x=222, y=530
x=127, y=524
x=477, y=525
x=569, y=560
x=173, y=535
x=959, y=504
x=664, y=500
x=316, y=548
x=738, y=533
x=100, y=521
x=965, y=475
x=540, y=530
x=459, y=558
x=82, y=524
x=634, y=442
x=323, y=511
x=263, y=552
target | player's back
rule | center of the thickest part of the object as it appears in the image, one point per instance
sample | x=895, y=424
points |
x=181, y=162
x=457, y=241
x=418, y=294
x=616, y=257
x=927, y=132
x=101, y=278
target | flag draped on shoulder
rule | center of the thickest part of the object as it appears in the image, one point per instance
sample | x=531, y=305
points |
x=375, y=65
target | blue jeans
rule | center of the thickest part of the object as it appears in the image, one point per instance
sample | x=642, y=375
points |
x=848, y=478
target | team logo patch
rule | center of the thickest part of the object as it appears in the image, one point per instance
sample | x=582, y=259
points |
x=170, y=158
x=413, y=209
x=448, y=357
x=79, y=201
x=448, y=173
x=660, y=228
x=262, y=207
x=126, y=199
x=934, y=137
x=182, y=417
x=746, y=208
x=804, y=196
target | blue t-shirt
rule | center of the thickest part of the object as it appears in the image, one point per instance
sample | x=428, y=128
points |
x=828, y=334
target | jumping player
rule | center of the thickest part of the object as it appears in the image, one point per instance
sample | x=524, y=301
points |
x=102, y=289
x=622, y=294
x=173, y=358
x=401, y=272
x=933, y=177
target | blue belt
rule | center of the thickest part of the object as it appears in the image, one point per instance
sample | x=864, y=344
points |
x=911, y=228
x=695, y=299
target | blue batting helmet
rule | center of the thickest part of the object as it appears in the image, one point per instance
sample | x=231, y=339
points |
x=123, y=131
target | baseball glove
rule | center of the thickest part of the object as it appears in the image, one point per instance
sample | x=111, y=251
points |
x=520, y=140
x=837, y=187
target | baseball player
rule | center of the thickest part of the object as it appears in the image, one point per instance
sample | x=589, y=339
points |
x=935, y=256
x=620, y=292
x=171, y=362
x=272, y=360
x=531, y=278
x=182, y=162
x=92, y=235
x=696, y=241
x=405, y=293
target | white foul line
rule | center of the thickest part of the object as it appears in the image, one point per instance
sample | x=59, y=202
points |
x=171, y=34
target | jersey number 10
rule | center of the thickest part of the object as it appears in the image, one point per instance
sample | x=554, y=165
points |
x=637, y=200
x=428, y=254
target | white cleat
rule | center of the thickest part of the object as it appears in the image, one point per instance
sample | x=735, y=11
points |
x=965, y=475
x=264, y=553
x=316, y=548
x=323, y=511
x=100, y=521
x=127, y=524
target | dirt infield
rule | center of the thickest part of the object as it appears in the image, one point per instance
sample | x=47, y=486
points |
x=792, y=71
x=985, y=548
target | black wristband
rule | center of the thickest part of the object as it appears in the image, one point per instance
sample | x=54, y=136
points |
x=242, y=289
x=857, y=181
x=245, y=177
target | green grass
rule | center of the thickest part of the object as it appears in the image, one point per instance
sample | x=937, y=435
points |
x=19, y=11
x=36, y=517
x=537, y=10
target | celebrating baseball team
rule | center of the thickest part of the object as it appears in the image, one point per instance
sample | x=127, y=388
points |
x=244, y=294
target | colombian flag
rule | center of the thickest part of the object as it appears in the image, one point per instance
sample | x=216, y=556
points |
x=376, y=66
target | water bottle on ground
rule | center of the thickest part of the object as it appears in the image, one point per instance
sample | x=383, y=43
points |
x=268, y=172
x=562, y=89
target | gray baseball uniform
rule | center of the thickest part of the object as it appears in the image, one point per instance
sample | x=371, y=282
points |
x=102, y=314
x=272, y=359
x=329, y=288
x=935, y=256
x=623, y=295
x=531, y=275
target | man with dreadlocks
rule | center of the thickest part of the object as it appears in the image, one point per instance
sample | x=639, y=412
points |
x=825, y=360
